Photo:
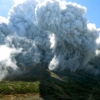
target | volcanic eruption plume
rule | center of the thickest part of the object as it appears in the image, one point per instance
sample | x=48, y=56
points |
x=54, y=31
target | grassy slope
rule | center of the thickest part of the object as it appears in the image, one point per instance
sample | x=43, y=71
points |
x=51, y=86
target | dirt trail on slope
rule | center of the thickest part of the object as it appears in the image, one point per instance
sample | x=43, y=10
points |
x=21, y=97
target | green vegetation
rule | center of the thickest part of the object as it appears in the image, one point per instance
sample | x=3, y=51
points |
x=19, y=87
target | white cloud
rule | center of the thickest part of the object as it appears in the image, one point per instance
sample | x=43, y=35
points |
x=18, y=1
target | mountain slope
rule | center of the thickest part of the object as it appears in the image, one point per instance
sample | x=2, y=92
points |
x=43, y=84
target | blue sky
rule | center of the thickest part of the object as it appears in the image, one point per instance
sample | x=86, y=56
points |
x=5, y=6
x=93, y=9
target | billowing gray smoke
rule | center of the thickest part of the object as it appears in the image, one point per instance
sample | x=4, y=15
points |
x=54, y=32
x=74, y=39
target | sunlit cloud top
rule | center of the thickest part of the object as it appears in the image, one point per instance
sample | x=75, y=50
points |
x=18, y=1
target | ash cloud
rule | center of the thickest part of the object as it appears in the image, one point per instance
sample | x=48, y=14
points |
x=55, y=32
x=75, y=39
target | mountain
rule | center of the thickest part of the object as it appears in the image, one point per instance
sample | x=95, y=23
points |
x=42, y=84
